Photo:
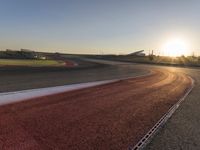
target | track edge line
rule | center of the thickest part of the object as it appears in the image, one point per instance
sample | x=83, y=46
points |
x=146, y=139
x=18, y=96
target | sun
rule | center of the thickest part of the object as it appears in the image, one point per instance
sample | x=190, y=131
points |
x=175, y=47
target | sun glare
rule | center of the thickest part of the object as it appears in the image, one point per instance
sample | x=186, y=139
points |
x=175, y=47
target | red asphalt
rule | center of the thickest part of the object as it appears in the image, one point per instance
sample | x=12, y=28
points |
x=107, y=117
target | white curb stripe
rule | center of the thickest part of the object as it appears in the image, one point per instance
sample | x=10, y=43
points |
x=11, y=97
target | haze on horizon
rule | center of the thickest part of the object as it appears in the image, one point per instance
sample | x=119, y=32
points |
x=98, y=26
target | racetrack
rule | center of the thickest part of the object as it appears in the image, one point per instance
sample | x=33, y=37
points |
x=111, y=116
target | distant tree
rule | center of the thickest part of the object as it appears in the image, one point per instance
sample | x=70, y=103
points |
x=198, y=59
x=151, y=58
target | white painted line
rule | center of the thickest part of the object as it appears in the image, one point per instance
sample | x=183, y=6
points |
x=151, y=133
x=11, y=97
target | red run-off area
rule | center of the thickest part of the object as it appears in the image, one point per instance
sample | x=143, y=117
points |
x=107, y=117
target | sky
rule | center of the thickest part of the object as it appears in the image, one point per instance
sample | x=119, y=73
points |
x=98, y=26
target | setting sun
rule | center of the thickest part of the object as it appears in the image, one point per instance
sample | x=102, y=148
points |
x=175, y=47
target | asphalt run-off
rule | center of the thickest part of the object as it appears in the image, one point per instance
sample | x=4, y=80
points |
x=111, y=116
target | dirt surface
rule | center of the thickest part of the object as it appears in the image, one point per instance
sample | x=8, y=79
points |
x=113, y=116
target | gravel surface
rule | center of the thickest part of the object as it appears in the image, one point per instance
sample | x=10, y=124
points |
x=113, y=116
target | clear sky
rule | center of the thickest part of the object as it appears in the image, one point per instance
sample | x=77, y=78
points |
x=98, y=26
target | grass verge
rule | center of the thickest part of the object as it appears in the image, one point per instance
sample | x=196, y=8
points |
x=30, y=63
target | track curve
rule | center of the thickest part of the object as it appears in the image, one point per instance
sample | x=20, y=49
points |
x=110, y=116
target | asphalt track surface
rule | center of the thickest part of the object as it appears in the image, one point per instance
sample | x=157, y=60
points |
x=181, y=132
x=28, y=78
x=111, y=116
